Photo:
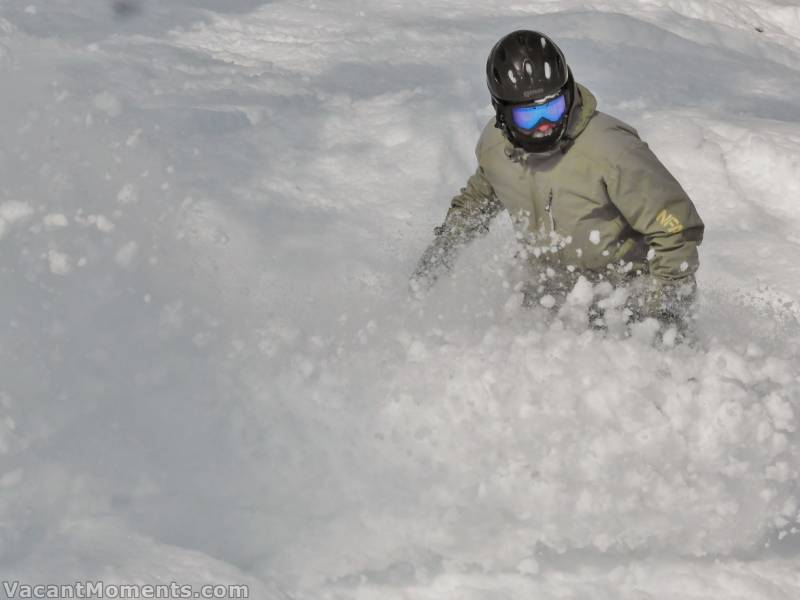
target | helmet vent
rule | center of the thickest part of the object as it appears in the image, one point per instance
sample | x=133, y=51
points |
x=548, y=72
x=496, y=75
x=529, y=69
x=501, y=54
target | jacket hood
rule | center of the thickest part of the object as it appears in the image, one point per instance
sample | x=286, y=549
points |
x=582, y=111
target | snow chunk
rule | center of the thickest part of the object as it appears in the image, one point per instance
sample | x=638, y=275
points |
x=103, y=224
x=133, y=138
x=59, y=262
x=582, y=294
x=781, y=413
x=669, y=338
x=54, y=221
x=126, y=255
x=594, y=236
x=528, y=566
x=108, y=103
x=645, y=331
x=127, y=195
x=547, y=301
x=15, y=210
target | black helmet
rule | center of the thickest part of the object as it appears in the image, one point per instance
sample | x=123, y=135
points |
x=527, y=69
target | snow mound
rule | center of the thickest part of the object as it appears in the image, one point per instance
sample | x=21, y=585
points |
x=488, y=446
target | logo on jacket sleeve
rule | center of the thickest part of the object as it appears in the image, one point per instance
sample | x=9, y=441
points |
x=669, y=222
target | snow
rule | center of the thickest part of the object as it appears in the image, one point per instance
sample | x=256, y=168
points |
x=108, y=103
x=547, y=301
x=102, y=223
x=213, y=371
x=55, y=220
x=127, y=194
x=15, y=210
x=59, y=262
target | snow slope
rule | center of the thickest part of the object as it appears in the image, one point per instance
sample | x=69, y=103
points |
x=212, y=371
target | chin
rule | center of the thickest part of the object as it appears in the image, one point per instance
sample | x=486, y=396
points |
x=538, y=145
x=537, y=142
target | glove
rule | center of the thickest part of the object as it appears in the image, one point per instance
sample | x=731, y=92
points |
x=670, y=302
x=459, y=229
x=437, y=260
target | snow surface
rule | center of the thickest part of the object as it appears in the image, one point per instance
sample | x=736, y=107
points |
x=212, y=371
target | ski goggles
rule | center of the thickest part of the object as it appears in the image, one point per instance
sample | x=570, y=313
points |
x=528, y=117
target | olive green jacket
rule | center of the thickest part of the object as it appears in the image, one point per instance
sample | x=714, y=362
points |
x=601, y=204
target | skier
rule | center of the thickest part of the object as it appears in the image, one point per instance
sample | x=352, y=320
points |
x=585, y=193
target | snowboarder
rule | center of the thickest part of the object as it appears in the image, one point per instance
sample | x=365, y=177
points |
x=585, y=193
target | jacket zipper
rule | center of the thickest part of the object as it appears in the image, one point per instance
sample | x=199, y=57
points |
x=549, y=208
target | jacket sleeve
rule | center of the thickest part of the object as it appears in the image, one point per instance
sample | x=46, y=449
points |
x=655, y=205
x=472, y=209
x=469, y=216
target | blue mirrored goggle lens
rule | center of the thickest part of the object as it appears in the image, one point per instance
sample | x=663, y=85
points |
x=528, y=117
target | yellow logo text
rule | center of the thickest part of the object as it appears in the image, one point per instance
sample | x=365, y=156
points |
x=669, y=222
